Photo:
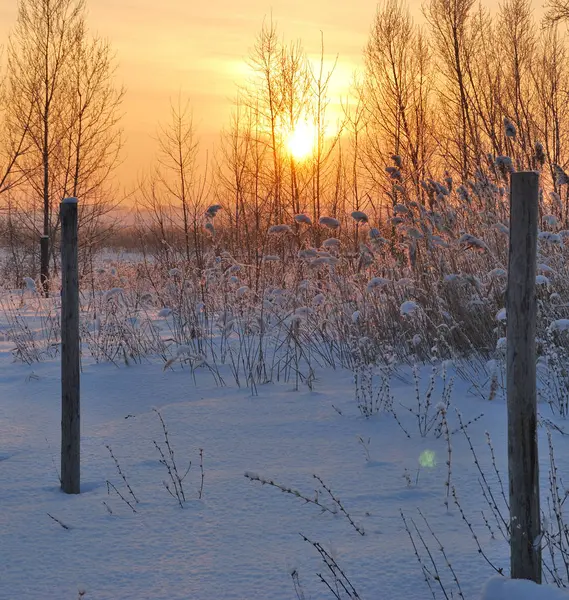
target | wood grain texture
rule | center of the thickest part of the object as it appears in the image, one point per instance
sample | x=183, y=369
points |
x=70, y=352
x=521, y=378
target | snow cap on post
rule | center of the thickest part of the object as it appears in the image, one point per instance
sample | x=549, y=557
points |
x=69, y=201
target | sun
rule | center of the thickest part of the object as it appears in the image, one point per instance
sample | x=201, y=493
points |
x=301, y=140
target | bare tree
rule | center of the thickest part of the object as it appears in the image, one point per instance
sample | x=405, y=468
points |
x=171, y=201
x=244, y=177
x=557, y=10
x=517, y=46
x=355, y=125
x=178, y=172
x=396, y=92
x=295, y=86
x=264, y=96
x=485, y=79
x=63, y=101
x=449, y=22
x=235, y=176
x=550, y=109
x=12, y=149
x=326, y=142
x=38, y=55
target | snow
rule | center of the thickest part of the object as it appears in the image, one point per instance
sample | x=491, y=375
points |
x=500, y=588
x=560, y=325
x=331, y=243
x=552, y=238
x=497, y=273
x=305, y=219
x=359, y=216
x=30, y=284
x=242, y=538
x=408, y=308
x=541, y=280
x=329, y=222
x=282, y=228
x=377, y=282
x=501, y=315
x=501, y=344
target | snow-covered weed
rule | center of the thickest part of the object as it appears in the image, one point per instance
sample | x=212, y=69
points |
x=493, y=523
x=174, y=483
x=553, y=371
x=555, y=526
x=33, y=326
x=124, y=479
x=430, y=413
x=323, y=497
x=334, y=578
x=435, y=563
x=430, y=293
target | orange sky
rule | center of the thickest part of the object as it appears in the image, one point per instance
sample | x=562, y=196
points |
x=198, y=47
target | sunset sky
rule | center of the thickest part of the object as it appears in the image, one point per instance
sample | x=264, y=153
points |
x=199, y=48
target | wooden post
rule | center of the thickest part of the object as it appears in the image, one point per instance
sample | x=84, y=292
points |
x=525, y=557
x=70, y=413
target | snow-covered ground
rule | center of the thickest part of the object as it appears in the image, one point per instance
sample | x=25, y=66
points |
x=243, y=539
x=499, y=588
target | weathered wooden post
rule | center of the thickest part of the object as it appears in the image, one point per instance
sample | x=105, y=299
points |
x=70, y=413
x=525, y=559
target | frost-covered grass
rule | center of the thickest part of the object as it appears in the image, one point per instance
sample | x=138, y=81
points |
x=425, y=285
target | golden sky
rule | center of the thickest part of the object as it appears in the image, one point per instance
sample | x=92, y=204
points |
x=198, y=48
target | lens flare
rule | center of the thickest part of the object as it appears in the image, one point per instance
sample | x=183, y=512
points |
x=428, y=459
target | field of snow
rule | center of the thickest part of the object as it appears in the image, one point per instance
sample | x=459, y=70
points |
x=346, y=432
x=242, y=539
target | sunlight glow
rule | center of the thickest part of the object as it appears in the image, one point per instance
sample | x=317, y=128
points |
x=302, y=140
